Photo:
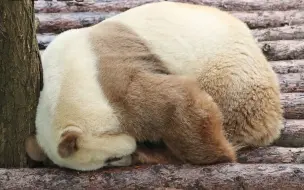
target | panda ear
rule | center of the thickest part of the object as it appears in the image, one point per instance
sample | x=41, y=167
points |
x=33, y=150
x=68, y=143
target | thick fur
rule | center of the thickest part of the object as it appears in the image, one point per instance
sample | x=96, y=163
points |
x=129, y=78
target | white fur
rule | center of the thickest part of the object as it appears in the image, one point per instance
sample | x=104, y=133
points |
x=72, y=99
x=185, y=36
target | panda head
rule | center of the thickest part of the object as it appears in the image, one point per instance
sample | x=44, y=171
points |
x=76, y=127
x=74, y=151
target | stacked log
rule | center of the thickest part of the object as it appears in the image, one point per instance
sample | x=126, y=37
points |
x=278, y=27
x=162, y=177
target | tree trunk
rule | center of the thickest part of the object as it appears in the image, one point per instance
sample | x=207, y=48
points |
x=19, y=79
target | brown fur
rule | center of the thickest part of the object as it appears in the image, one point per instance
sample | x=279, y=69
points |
x=154, y=155
x=154, y=105
x=33, y=149
x=68, y=144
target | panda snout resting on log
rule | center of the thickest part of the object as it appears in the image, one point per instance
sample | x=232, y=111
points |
x=189, y=76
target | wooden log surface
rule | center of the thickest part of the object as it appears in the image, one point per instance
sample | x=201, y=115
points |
x=292, y=135
x=121, y=5
x=291, y=82
x=288, y=66
x=265, y=19
x=272, y=155
x=58, y=22
x=278, y=26
x=215, y=177
x=279, y=33
x=283, y=49
x=293, y=104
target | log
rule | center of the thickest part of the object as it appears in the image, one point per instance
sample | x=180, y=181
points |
x=88, y=6
x=292, y=134
x=251, y=5
x=216, y=177
x=292, y=82
x=279, y=33
x=288, y=66
x=293, y=104
x=265, y=19
x=121, y=5
x=283, y=49
x=272, y=155
x=58, y=22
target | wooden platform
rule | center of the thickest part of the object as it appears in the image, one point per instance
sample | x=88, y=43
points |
x=278, y=26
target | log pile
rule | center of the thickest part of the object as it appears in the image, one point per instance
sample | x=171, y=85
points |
x=278, y=26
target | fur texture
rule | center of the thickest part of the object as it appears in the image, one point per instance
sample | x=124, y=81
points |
x=146, y=76
x=220, y=52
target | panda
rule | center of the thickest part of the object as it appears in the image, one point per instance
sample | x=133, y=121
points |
x=189, y=75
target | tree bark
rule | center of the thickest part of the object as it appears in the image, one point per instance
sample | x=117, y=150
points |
x=19, y=80
x=161, y=177
x=121, y=5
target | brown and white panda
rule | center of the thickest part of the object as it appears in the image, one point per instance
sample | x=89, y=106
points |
x=161, y=71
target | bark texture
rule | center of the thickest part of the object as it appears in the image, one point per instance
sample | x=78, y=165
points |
x=293, y=104
x=19, y=80
x=58, y=22
x=288, y=66
x=283, y=49
x=264, y=19
x=272, y=155
x=279, y=33
x=161, y=177
x=292, y=134
x=121, y=5
x=292, y=82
